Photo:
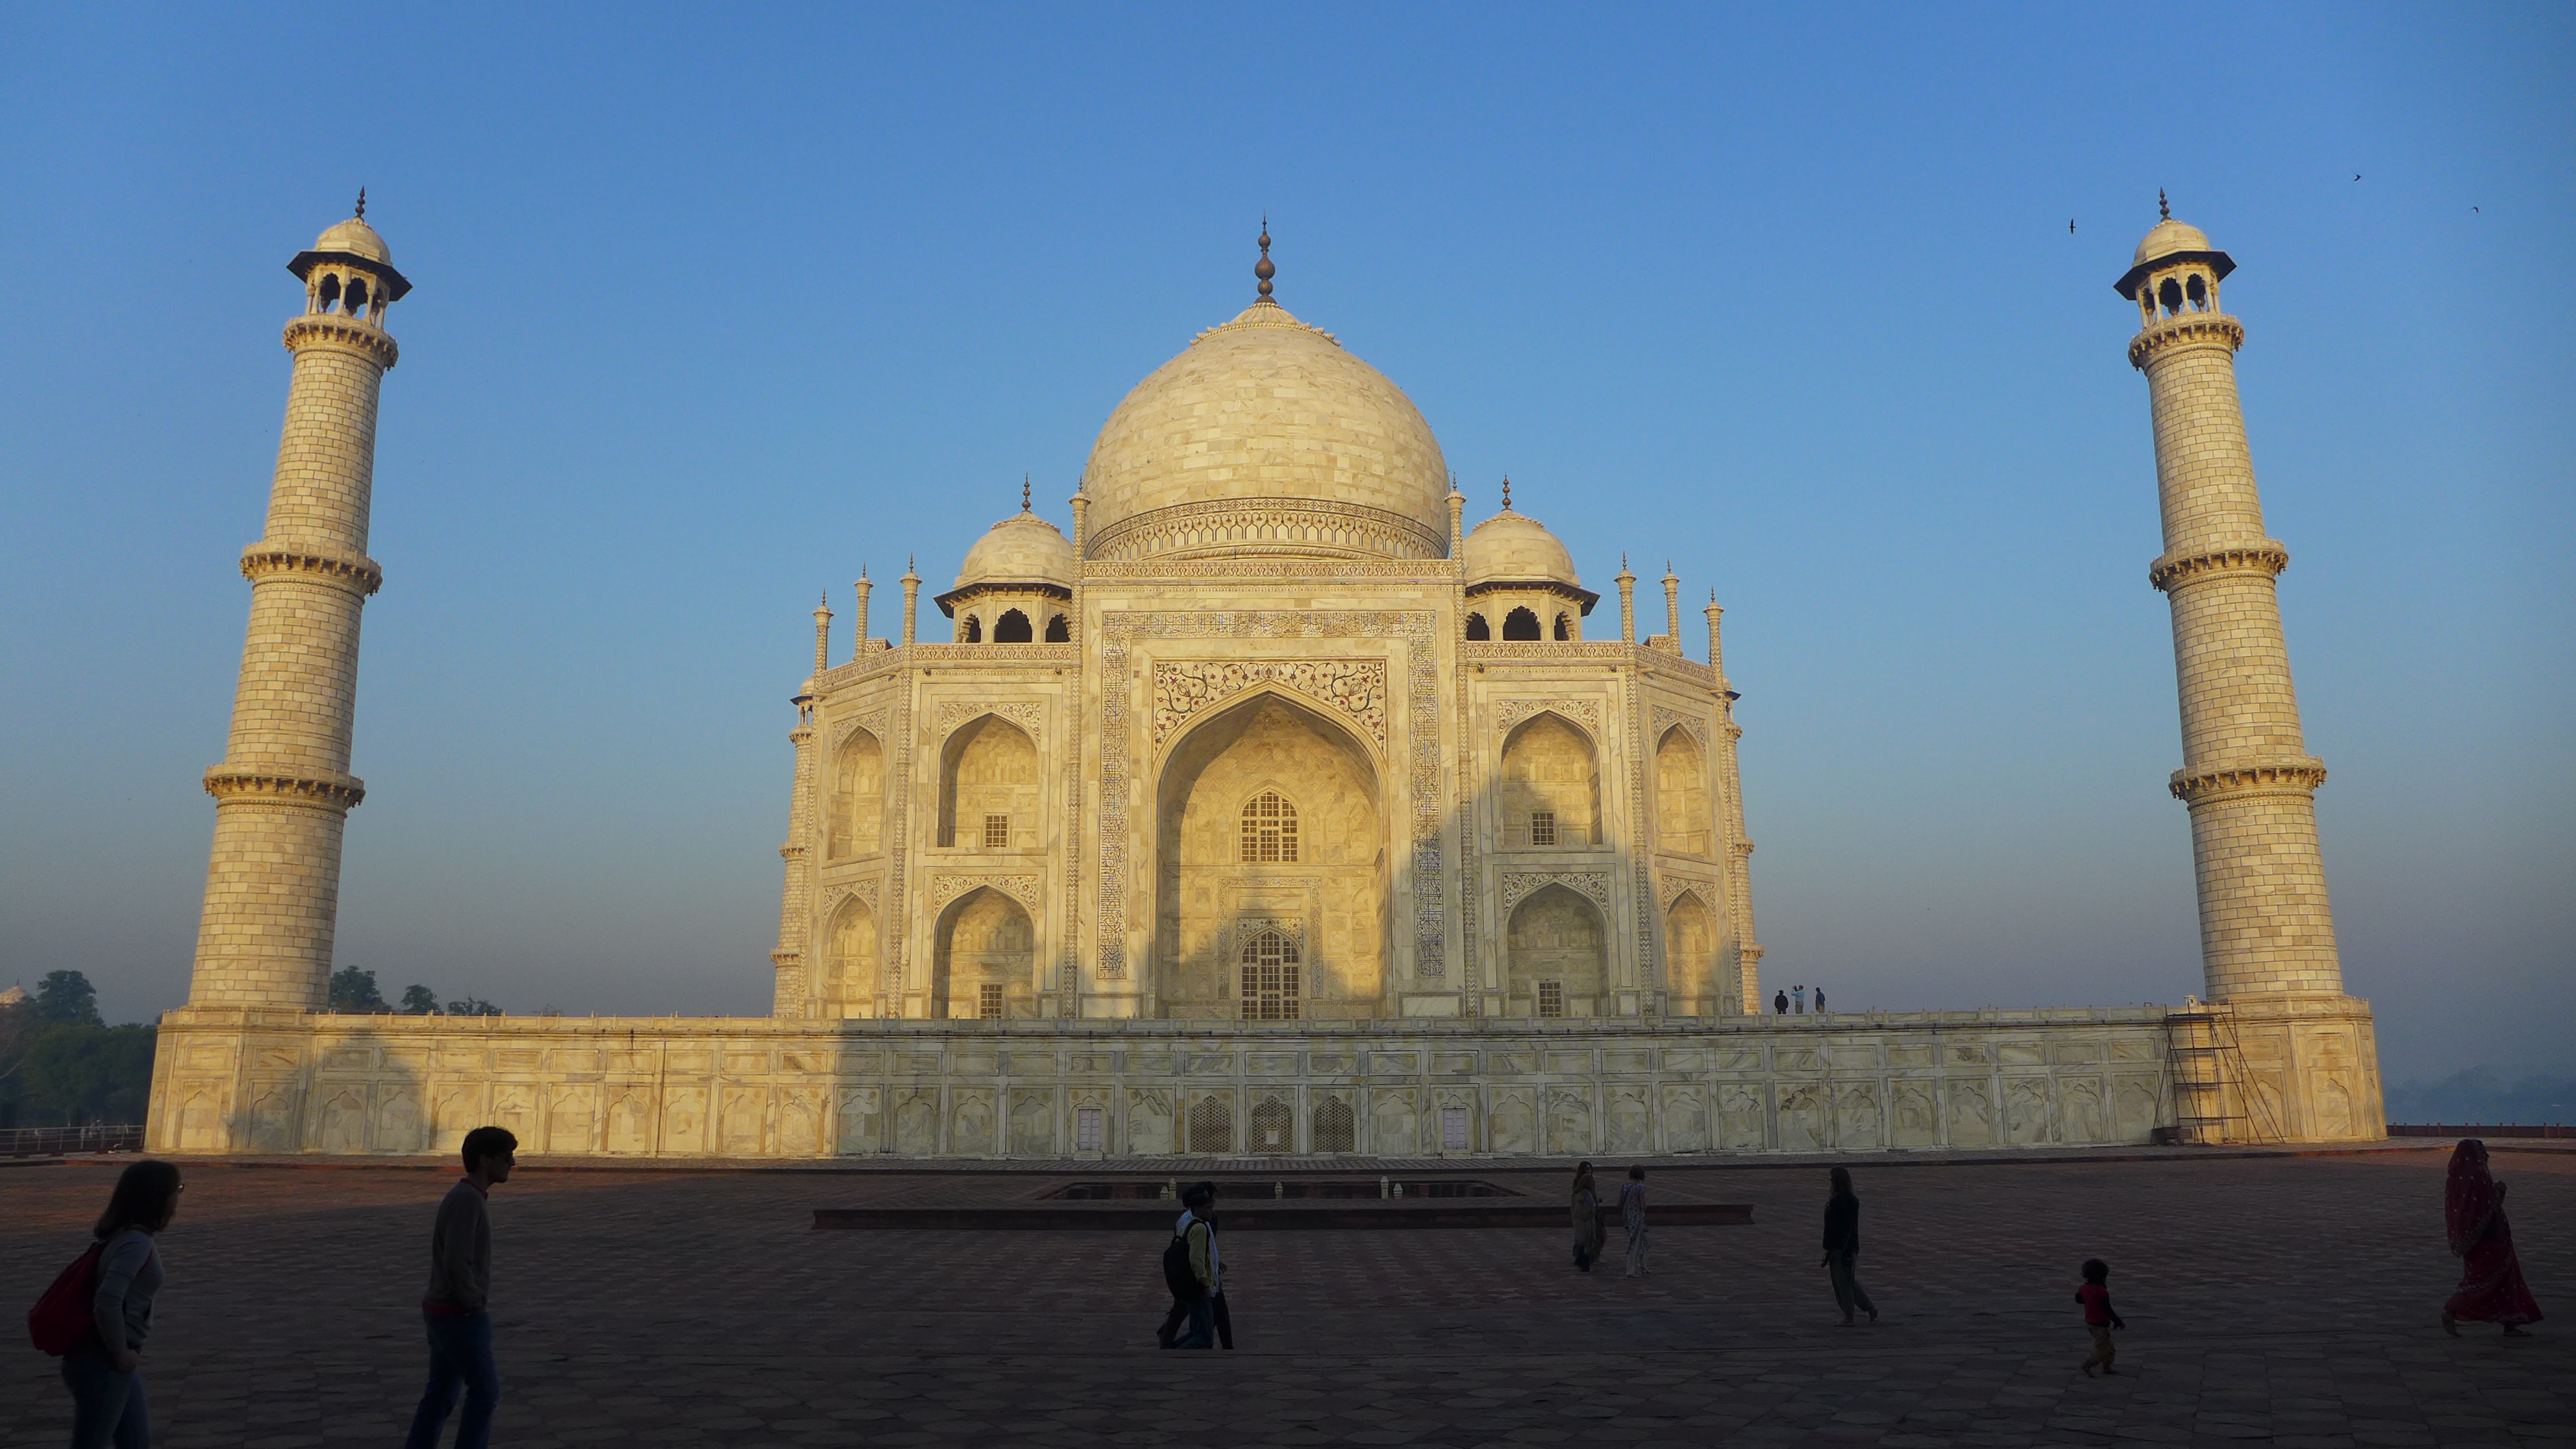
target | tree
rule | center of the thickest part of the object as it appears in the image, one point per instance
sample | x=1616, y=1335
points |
x=353, y=992
x=67, y=996
x=472, y=1006
x=419, y=1001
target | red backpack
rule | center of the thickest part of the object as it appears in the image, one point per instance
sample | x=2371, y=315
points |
x=62, y=1318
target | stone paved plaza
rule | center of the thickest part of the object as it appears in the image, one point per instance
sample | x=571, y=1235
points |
x=2285, y=1300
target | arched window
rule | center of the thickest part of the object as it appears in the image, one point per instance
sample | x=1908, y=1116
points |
x=330, y=291
x=1270, y=978
x=2169, y=292
x=1565, y=627
x=974, y=631
x=1269, y=830
x=1273, y=1128
x=1520, y=624
x=1478, y=631
x=1211, y=1126
x=356, y=298
x=2198, y=291
x=1012, y=628
x=1334, y=1127
x=1058, y=631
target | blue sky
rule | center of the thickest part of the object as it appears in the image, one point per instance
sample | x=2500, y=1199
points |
x=711, y=310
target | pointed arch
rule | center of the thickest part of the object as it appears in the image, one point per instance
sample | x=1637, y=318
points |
x=1690, y=954
x=988, y=770
x=1684, y=823
x=1013, y=628
x=1549, y=794
x=1057, y=630
x=855, y=815
x=1557, y=955
x=1271, y=771
x=1565, y=628
x=848, y=984
x=1521, y=623
x=1479, y=630
x=970, y=630
x=983, y=958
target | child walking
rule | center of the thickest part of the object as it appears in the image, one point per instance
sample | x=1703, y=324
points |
x=2099, y=1316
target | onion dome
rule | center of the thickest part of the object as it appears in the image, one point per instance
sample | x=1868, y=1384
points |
x=1265, y=436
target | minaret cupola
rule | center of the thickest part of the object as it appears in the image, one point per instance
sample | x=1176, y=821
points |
x=349, y=271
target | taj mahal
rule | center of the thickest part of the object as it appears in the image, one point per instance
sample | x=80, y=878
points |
x=1265, y=808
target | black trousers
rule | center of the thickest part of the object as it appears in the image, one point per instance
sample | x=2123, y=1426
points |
x=1180, y=1314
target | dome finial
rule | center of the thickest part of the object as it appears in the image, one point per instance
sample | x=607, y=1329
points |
x=362, y=203
x=2164, y=210
x=1263, y=269
x=1507, y=493
x=1024, y=493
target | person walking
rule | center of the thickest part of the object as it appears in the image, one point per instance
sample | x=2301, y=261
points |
x=1632, y=1216
x=2099, y=1316
x=1586, y=1213
x=1842, y=1246
x=2491, y=1288
x=1180, y=1312
x=104, y=1371
x=1198, y=1235
x=456, y=1308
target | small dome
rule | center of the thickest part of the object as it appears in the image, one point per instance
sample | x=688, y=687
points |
x=2170, y=236
x=1021, y=549
x=1517, y=549
x=356, y=238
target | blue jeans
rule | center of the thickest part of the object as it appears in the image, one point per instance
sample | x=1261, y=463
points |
x=107, y=1406
x=1201, y=1332
x=460, y=1353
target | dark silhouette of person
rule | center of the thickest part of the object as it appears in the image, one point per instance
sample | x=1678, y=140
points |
x=1820, y=1001
x=1780, y=1002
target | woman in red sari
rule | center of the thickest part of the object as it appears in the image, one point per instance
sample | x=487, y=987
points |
x=2491, y=1286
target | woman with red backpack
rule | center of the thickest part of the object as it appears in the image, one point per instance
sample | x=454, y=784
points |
x=100, y=1311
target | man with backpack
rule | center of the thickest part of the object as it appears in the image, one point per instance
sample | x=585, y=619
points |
x=460, y=1287
x=1191, y=1269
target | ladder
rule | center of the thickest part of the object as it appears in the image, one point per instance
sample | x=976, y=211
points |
x=2213, y=1089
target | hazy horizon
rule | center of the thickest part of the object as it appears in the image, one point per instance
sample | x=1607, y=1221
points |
x=710, y=312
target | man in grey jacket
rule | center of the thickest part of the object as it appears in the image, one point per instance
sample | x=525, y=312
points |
x=460, y=1286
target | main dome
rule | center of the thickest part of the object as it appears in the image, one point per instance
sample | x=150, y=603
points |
x=1265, y=437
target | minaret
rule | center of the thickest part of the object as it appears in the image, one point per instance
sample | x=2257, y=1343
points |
x=2266, y=931
x=1672, y=606
x=796, y=893
x=859, y=645
x=1739, y=849
x=911, y=600
x=284, y=791
x=1627, y=602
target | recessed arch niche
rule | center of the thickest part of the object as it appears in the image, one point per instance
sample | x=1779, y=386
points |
x=983, y=960
x=1690, y=956
x=1557, y=955
x=1683, y=823
x=1549, y=797
x=848, y=983
x=988, y=767
x=1331, y=900
x=857, y=807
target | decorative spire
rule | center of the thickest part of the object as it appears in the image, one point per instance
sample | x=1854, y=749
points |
x=1507, y=493
x=2164, y=210
x=1263, y=269
x=362, y=203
